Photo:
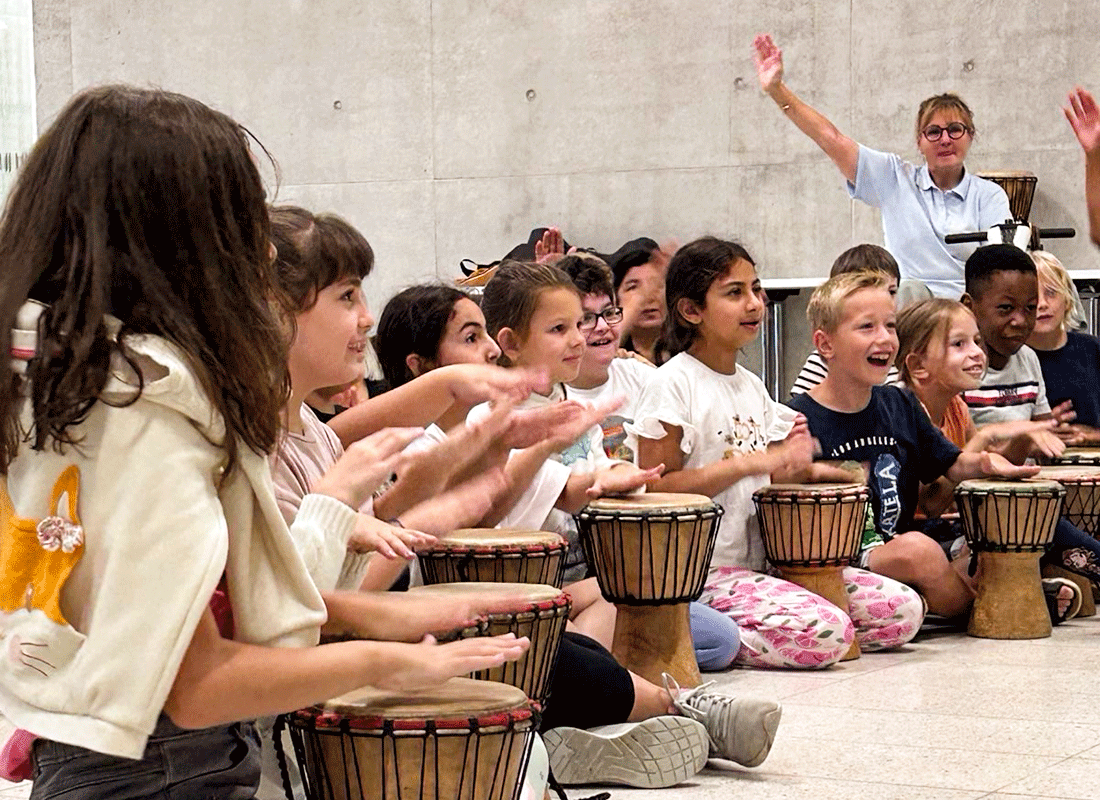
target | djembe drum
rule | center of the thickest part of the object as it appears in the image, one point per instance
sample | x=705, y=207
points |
x=1081, y=508
x=1008, y=525
x=1020, y=188
x=495, y=555
x=463, y=740
x=536, y=611
x=1079, y=456
x=811, y=532
x=651, y=554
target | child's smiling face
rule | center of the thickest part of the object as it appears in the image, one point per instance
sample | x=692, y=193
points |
x=1004, y=305
x=863, y=346
x=553, y=340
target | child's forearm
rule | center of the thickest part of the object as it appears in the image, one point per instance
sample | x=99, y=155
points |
x=574, y=496
x=935, y=498
x=419, y=402
x=519, y=472
x=715, y=478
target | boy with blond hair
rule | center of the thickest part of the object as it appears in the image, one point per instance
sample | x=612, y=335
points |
x=884, y=429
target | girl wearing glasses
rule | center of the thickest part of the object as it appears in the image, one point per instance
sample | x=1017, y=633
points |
x=920, y=204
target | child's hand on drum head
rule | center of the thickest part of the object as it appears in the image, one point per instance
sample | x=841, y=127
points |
x=421, y=666
x=622, y=478
x=372, y=535
x=366, y=465
x=791, y=459
x=994, y=465
x=1025, y=437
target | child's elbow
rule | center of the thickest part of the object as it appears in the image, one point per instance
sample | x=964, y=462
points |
x=187, y=711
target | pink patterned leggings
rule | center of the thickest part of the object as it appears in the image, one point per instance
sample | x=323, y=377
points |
x=784, y=625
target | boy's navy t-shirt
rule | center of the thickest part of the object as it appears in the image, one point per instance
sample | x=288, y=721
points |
x=1072, y=372
x=894, y=440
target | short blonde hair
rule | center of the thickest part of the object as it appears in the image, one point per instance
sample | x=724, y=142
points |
x=1052, y=273
x=826, y=306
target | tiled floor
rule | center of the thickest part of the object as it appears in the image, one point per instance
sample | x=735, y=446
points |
x=946, y=717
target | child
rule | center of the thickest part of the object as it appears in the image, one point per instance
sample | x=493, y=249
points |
x=602, y=374
x=427, y=327
x=639, y=271
x=861, y=258
x=714, y=426
x=1069, y=359
x=135, y=243
x=856, y=418
x=940, y=356
x=1002, y=290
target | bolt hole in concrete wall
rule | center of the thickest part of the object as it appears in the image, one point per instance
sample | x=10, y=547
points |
x=646, y=119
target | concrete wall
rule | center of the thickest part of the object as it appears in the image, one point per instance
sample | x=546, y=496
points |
x=447, y=129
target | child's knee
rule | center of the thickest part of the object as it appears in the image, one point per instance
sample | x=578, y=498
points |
x=716, y=637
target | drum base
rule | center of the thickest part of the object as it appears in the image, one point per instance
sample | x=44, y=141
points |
x=650, y=640
x=1088, y=605
x=1010, y=603
x=827, y=582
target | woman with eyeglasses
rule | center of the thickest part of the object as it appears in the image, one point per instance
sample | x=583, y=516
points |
x=920, y=204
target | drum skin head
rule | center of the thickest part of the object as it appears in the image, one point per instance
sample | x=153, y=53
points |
x=1070, y=473
x=498, y=537
x=457, y=698
x=1080, y=455
x=1025, y=486
x=815, y=489
x=652, y=501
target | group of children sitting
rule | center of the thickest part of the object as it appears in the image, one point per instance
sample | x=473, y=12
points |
x=179, y=524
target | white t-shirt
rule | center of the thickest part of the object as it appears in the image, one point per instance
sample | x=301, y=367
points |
x=626, y=377
x=535, y=510
x=721, y=416
x=1016, y=392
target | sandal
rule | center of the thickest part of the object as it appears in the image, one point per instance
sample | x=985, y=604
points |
x=1052, y=588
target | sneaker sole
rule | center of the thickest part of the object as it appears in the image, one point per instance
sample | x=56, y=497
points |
x=654, y=754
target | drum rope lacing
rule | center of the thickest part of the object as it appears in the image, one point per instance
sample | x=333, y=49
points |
x=684, y=569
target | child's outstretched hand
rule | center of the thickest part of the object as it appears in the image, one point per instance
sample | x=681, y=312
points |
x=562, y=423
x=994, y=465
x=622, y=478
x=426, y=664
x=372, y=535
x=471, y=384
x=366, y=465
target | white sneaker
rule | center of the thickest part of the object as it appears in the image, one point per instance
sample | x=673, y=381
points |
x=740, y=729
x=652, y=754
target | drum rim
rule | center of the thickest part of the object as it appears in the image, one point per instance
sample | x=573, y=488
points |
x=508, y=589
x=529, y=548
x=787, y=491
x=701, y=513
x=321, y=718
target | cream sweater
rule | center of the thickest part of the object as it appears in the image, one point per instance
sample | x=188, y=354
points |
x=159, y=533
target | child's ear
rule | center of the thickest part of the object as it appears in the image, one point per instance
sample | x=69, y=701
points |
x=687, y=309
x=823, y=343
x=509, y=342
x=967, y=300
x=417, y=365
x=914, y=363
